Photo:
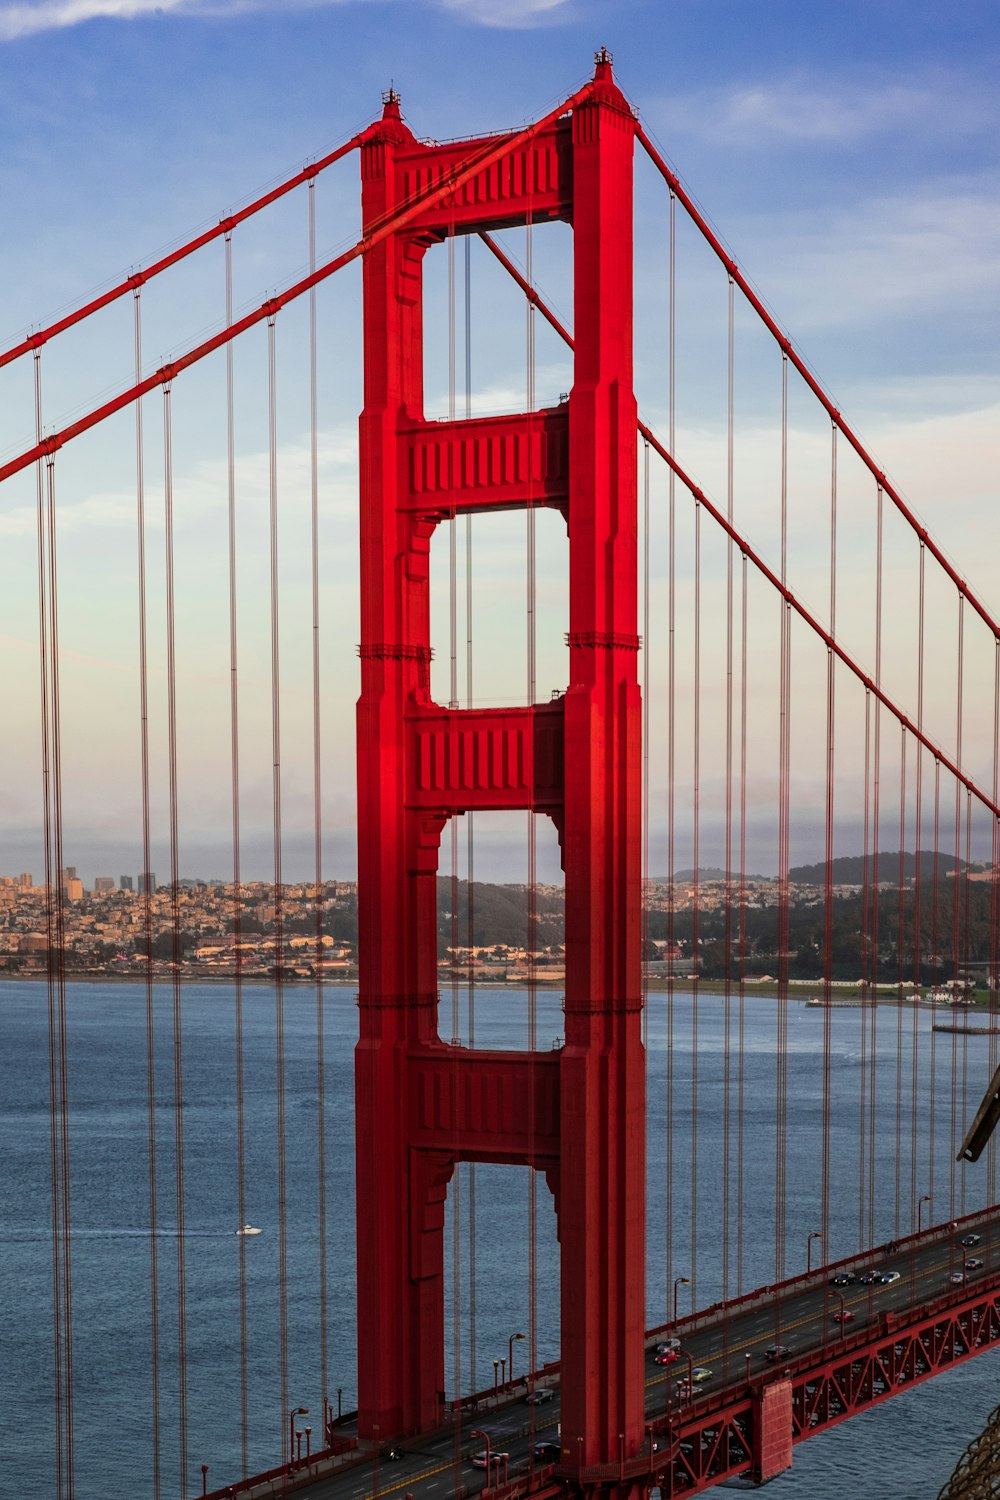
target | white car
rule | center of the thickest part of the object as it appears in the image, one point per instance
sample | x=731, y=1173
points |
x=888, y=1277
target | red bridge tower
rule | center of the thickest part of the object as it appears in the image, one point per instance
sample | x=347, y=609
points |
x=578, y=1114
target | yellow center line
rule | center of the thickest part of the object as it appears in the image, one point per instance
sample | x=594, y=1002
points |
x=678, y=1369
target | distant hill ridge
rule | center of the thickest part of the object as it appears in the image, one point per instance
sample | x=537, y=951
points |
x=848, y=869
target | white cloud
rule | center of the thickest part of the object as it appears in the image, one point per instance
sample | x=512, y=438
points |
x=797, y=109
x=51, y=15
x=507, y=14
x=29, y=17
x=939, y=247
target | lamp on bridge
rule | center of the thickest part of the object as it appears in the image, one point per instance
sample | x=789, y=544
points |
x=296, y=1411
x=510, y=1354
x=679, y=1281
x=486, y=1439
x=496, y=1377
x=816, y=1235
x=926, y=1198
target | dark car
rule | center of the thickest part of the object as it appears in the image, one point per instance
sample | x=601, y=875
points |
x=843, y=1278
x=668, y=1346
x=968, y=1240
x=547, y=1453
x=540, y=1395
x=973, y=1264
x=869, y=1277
x=775, y=1352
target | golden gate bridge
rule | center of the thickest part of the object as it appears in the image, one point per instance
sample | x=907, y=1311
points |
x=764, y=650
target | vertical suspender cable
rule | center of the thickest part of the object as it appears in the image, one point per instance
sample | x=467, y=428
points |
x=51, y=896
x=728, y=910
x=828, y=858
x=964, y=1114
x=147, y=920
x=279, y=944
x=671, y=743
x=695, y=898
x=175, y=937
x=955, y=898
x=532, y=830
x=876, y=803
x=234, y=756
x=994, y=971
x=900, y=916
x=645, y=743
x=317, y=814
x=456, y=1181
x=62, y=1029
x=741, y=1077
x=781, y=1081
x=917, y=905
x=863, y=1240
x=470, y=842
x=931, y=1110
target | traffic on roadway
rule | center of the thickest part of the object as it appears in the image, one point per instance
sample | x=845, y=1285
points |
x=728, y=1347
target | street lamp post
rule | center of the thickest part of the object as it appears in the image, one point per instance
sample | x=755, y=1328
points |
x=503, y=1374
x=926, y=1198
x=510, y=1354
x=308, y=1447
x=816, y=1235
x=486, y=1439
x=679, y=1281
x=496, y=1377
x=690, y=1360
x=296, y=1411
x=843, y=1310
x=204, y=1479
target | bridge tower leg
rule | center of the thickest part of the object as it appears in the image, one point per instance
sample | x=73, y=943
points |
x=578, y=1114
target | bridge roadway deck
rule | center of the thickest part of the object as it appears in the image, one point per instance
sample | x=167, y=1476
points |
x=898, y=1334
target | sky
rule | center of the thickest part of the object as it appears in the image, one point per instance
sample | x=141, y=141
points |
x=845, y=154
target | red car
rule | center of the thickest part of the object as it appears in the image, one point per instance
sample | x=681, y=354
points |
x=668, y=1357
x=844, y=1317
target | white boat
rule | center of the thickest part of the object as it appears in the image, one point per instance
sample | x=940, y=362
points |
x=248, y=1229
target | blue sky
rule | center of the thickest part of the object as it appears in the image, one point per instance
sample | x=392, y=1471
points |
x=847, y=155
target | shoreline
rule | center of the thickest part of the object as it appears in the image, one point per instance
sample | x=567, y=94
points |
x=845, y=996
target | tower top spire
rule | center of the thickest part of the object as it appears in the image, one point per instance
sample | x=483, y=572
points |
x=602, y=65
x=390, y=103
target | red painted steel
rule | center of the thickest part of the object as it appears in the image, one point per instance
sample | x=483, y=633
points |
x=577, y=1114
x=729, y=1433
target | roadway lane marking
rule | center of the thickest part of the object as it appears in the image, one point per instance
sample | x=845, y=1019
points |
x=817, y=1315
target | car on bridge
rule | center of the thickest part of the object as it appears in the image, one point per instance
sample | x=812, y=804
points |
x=974, y=1264
x=666, y=1346
x=496, y=1456
x=547, y=1452
x=844, y=1317
x=668, y=1357
x=870, y=1277
x=968, y=1240
x=886, y=1278
x=774, y=1352
x=957, y=1278
x=539, y=1395
x=843, y=1278
x=685, y=1387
